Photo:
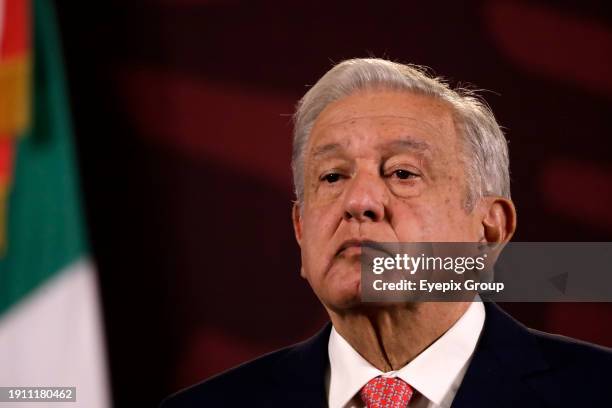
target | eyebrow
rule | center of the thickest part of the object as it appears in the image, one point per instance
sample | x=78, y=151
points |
x=326, y=149
x=404, y=143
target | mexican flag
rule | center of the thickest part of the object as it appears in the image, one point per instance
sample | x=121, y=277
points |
x=50, y=317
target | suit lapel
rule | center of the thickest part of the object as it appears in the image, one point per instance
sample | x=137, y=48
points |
x=505, y=355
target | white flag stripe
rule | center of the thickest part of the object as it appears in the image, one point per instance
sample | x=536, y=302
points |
x=53, y=337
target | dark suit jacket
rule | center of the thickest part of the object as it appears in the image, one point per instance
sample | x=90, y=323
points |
x=512, y=366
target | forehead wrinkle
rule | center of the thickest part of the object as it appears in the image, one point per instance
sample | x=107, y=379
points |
x=434, y=129
x=321, y=124
x=337, y=123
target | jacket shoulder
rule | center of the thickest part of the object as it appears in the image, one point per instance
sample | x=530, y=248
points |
x=578, y=371
x=296, y=370
x=533, y=369
x=234, y=383
x=561, y=351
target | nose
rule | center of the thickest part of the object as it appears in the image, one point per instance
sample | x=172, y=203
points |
x=364, y=199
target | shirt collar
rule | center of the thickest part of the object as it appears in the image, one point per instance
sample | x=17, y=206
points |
x=435, y=373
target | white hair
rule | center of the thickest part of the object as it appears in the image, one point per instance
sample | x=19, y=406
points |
x=485, y=147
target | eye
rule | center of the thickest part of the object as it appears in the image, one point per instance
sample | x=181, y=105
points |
x=331, y=177
x=403, y=174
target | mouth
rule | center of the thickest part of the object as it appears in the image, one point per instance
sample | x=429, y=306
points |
x=355, y=246
x=350, y=245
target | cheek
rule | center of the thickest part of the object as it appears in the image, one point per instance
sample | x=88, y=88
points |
x=318, y=229
x=413, y=223
x=437, y=220
x=453, y=224
x=318, y=221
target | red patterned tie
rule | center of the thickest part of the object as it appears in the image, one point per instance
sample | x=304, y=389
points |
x=386, y=392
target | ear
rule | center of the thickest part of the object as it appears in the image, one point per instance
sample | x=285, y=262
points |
x=296, y=217
x=499, y=219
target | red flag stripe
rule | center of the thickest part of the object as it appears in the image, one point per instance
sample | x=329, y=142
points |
x=15, y=37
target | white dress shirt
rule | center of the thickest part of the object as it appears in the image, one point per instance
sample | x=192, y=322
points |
x=435, y=374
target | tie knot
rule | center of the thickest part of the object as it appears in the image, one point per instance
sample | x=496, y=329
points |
x=386, y=392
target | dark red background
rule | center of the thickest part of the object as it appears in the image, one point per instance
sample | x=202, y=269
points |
x=181, y=112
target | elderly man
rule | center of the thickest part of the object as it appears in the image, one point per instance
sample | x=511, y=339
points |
x=385, y=153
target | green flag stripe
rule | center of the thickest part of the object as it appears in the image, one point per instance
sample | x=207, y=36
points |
x=45, y=226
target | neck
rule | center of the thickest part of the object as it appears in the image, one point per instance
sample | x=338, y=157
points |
x=390, y=337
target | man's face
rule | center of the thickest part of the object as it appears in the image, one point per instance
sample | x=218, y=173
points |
x=382, y=166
